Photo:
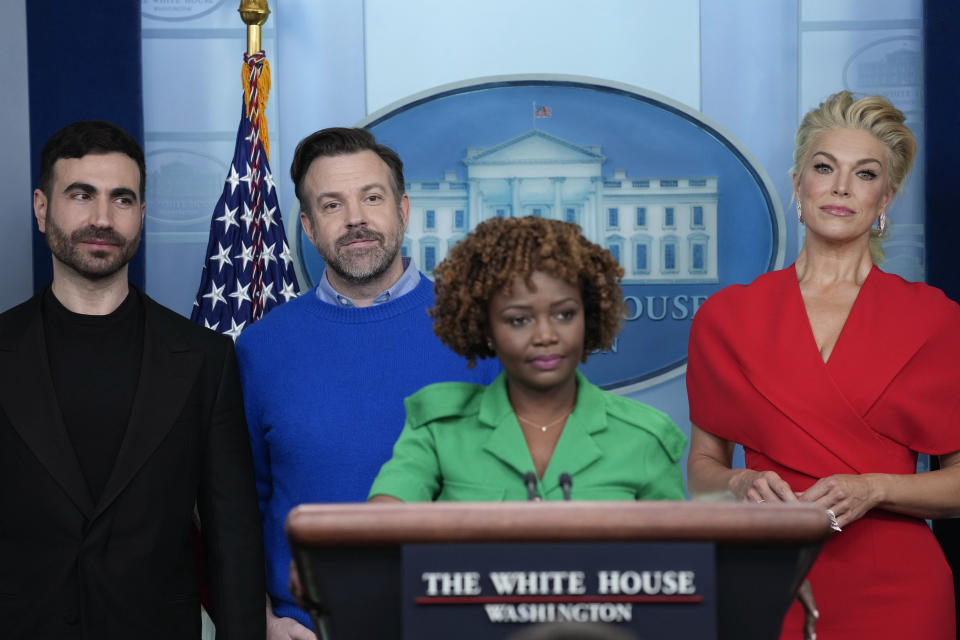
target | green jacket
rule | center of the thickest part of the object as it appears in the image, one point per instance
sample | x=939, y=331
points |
x=462, y=442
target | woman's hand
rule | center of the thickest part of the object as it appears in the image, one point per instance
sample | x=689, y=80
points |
x=760, y=486
x=849, y=497
x=709, y=473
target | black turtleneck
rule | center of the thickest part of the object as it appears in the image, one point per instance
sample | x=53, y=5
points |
x=95, y=365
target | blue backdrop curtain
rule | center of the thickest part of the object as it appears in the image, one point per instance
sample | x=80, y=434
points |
x=941, y=25
x=941, y=60
x=84, y=64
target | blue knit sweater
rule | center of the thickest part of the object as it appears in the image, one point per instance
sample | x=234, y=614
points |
x=323, y=388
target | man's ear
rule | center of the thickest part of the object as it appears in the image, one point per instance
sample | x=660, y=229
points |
x=405, y=210
x=40, y=209
x=307, y=223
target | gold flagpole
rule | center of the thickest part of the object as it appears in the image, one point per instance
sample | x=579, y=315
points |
x=254, y=13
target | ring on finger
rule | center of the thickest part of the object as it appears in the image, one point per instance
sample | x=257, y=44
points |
x=834, y=524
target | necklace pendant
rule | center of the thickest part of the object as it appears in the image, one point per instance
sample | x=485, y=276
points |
x=543, y=428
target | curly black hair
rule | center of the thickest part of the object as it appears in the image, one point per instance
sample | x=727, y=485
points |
x=499, y=250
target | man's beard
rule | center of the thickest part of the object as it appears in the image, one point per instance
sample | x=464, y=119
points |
x=93, y=265
x=362, y=266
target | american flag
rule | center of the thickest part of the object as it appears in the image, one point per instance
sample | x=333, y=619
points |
x=248, y=268
x=541, y=112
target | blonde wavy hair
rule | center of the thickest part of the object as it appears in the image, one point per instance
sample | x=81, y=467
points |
x=874, y=114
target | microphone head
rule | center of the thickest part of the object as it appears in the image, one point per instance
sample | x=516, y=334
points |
x=530, y=481
x=565, y=479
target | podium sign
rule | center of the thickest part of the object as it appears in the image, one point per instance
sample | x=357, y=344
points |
x=444, y=570
x=488, y=591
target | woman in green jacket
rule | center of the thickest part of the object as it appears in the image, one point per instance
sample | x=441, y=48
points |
x=540, y=297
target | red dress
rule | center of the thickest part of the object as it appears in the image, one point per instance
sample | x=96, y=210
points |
x=890, y=389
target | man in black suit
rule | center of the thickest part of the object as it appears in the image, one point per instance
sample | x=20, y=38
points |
x=117, y=418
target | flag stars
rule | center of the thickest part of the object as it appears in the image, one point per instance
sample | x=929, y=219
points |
x=246, y=254
x=286, y=256
x=233, y=179
x=267, y=294
x=215, y=295
x=235, y=329
x=248, y=178
x=267, y=255
x=247, y=216
x=288, y=291
x=222, y=256
x=241, y=294
x=228, y=218
x=267, y=217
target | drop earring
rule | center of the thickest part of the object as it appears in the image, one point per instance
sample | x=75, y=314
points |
x=799, y=208
x=882, y=222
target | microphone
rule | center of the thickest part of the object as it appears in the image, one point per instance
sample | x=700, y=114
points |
x=530, y=479
x=566, y=483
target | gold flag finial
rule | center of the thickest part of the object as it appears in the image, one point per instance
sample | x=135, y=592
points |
x=254, y=13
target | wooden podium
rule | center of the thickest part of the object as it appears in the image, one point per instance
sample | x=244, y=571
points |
x=351, y=556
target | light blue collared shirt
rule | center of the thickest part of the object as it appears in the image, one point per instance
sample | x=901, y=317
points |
x=407, y=282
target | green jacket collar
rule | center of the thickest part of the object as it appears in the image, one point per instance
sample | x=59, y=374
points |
x=574, y=451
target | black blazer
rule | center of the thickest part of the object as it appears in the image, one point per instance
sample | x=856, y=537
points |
x=124, y=567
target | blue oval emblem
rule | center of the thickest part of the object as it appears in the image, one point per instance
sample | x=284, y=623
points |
x=678, y=202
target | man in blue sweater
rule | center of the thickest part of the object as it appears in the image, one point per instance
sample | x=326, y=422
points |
x=350, y=350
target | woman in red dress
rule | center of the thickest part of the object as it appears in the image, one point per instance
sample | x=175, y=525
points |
x=833, y=375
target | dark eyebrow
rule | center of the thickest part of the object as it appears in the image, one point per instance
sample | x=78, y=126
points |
x=526, y=307
x=123, y=191
x=89, y=189
x=858, y=163
x=80, y=186
x=337, y=195
x=520, y=307
x=328, y=194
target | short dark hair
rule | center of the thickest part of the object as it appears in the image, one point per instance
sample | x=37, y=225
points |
x=338, y=141
x=78, y=139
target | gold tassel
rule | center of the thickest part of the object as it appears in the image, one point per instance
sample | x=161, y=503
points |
x=263, y=91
